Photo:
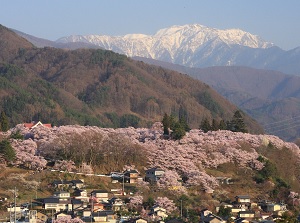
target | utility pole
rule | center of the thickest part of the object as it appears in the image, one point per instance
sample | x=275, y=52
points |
x=52, y=216
x=15, y=214
x=10, y=213
x=92, y=208
x=181, y=209
x=123, y=188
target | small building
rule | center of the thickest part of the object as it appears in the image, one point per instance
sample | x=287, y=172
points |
x=81, y=195
x=76, y=203
x=271, y=207
x=61, y=184
x=211, y=218
x=117, y=204
x=100, y=195
x=242, y=199
x=131, y=176
x=235, y=210
x=32, y=125
x=246, y=214
x=62, y=195
x=41, y=217
x=104, y=216
x=204, y=212
x=135, y=220
x=154, y=174
x=62, y=215
x=158, y=212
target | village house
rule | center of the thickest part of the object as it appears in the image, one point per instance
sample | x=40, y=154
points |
x=154, y=174
x=246, y=214
x=65, y=184
x=32, y=125
x=117, y=204
x=104, y=216
x=158, y=212
x=62, y=195
x=212, y=218
x=100, y=195
x=41, y=217
x=81, y=195
x=79, y=184
x=136, y=220
x=207, y=216
x=236, y=210
x=62, y=215
x=243, y=199
x=76, y=204
x=61, y=184
x=131, y=176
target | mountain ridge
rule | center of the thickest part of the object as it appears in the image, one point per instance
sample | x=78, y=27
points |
x=199, y=46
x=268, y=96
x=103, y=88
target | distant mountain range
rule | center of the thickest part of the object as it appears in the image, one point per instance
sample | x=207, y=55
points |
x=199, y=46
x=266, y=95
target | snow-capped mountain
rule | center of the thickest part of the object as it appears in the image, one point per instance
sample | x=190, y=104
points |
x=187, y=45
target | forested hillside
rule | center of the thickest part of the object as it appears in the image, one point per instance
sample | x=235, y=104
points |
x=98, y=87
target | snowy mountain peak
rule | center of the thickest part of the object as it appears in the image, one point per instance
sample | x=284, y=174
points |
x=176, y=44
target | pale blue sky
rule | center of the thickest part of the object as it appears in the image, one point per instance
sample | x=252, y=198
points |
x=277, y=21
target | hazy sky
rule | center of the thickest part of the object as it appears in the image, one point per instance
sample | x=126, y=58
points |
x=277, y=21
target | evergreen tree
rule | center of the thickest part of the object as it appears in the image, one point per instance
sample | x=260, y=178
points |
x=178, y=131
x=178, y=127
x=237, y=123
x=166, y=124
x=214, y=125
x=184, y=124
x=222, y=125
x=6, y=149
x=205, y=125
x=3, y=122
x=172, y=121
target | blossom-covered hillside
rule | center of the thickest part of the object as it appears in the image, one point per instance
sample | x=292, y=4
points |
x=106, y=149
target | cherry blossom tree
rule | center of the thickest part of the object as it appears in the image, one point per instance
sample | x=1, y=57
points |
x=65, y=165
x=135, y=202
x=170, y=181
x=294, y=198
x=115, y=148
x=166, y=203
x=27, y=154
x=68, y=219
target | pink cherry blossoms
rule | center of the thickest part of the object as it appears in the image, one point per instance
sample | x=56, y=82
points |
x=67, y=219
x=188, y=157
x=294, y=198
x=27, y=154
x=170, y=181
x=166, y=203
x=135, y=202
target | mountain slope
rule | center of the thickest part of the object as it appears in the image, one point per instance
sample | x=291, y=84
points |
x=11, y=44
x=199, y=46
x=268, y=96
x=251, y=161
x=39, y=42
x=97, y=87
